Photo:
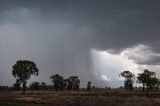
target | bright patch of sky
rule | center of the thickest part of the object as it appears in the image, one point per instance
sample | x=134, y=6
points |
x=108, y=65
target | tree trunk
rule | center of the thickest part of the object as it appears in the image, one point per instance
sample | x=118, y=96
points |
x=24, y=87
x=147, y=90
x=143, y=87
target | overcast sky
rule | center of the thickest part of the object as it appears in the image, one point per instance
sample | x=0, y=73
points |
x=94, y=39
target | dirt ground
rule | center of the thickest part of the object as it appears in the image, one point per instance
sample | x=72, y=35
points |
x=74, y=98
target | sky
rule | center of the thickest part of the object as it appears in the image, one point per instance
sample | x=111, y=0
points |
x=92, y=39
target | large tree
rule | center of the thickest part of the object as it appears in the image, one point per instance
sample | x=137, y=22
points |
x=23, y=70
x=148, y=79
x=58, y=82
x=129, y=79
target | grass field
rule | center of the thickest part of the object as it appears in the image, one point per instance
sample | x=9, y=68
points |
x=71, y=98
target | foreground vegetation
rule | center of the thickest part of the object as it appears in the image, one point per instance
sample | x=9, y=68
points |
x=9, y=103
x=74, y=98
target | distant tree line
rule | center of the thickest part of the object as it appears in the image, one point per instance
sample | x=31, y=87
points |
x=40, y=86
x=24, y=69
x=59, y=83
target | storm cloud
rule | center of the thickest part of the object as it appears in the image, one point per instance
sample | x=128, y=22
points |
x=59, y=35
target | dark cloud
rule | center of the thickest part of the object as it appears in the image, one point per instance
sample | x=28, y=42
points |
x=58, y=35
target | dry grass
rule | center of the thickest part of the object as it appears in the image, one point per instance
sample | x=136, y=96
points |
x=84, y=99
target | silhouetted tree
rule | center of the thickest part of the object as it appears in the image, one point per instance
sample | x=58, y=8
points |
x=157, y=84
x=43, y=85
x=89, y=85
x=4, y=88
x=35, y=85
x=40, y=86
x=23, y=70
x=154, y=83
x=76, y=82
x=73, y=83
x=58, y=82
x=129, y=79
x=69, y=83
x=141, y=79
x=148, y=79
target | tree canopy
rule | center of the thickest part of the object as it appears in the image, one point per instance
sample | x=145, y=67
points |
x=73, y=82
x=129, y=79
x=58, y=82
x=89, y=83
x=148, y=79
x=22, y=71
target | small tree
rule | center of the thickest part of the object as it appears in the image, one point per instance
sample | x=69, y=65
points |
x=34, y=85
x=23, y=70
x=89, y=85
x=129, y=79
x=17, y=84
x=76, y=83
x=73, y=83
x=58, y=82
x=43, y=85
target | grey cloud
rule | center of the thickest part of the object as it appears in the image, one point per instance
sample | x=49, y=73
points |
x=58, y=35
x=142, y=54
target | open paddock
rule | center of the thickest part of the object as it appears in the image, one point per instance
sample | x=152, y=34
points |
x=75, y=98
